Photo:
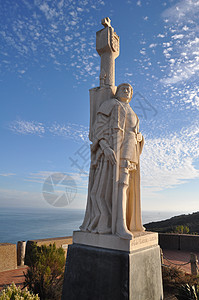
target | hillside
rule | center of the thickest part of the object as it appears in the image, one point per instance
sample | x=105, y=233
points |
x=169, y=225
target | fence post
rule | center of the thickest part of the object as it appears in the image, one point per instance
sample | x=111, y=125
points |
x=21, y=250
x=194, y=262
x=161, y=256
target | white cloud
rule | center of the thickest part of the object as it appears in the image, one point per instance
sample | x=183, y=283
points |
x=81, y=180
x=152, y=45
x=181, y=10
x=49, y=13
x=7, y=174
x=143, y=52
x=80, y=9
x=183, y=62
x=60, y=4
x=72, y=131
x=21, y=71
x=185, y=28
x=160, y=35
x=168, y=161
x=172, y=61
x=177, y=36
x=139, y=3
x=26, y=127
x=68, y=38
x=39, y=42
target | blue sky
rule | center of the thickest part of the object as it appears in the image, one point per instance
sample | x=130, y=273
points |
x=48, y=64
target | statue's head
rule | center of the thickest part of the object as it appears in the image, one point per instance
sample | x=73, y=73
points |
x=124, y=92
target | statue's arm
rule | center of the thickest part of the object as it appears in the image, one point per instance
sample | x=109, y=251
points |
x=139, y=137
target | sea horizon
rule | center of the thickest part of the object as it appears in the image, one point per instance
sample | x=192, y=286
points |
x=31, y=223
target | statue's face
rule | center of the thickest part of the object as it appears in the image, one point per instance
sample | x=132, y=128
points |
x=124, y=93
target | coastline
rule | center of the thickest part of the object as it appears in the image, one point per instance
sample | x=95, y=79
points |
x=17, y=224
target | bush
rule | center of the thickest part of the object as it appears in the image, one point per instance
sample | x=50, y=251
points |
x=46, y=271
x=15, y=293
x=181, y=229
x=174, y=278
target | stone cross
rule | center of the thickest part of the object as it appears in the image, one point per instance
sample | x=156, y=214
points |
x=108, y=47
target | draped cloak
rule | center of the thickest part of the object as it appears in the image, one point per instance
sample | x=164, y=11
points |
x=101, y=210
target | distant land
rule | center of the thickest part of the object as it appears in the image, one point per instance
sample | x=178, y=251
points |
x=169, y=225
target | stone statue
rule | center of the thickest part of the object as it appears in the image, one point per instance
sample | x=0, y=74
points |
x=113, y=204
x=112, y=219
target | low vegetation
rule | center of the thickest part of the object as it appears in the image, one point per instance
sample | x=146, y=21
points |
x=178, y=283
x=15, y=293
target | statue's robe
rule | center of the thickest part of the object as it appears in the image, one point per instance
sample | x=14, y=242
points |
x=101, y=210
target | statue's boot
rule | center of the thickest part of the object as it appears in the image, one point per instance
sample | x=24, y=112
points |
x=121, y=228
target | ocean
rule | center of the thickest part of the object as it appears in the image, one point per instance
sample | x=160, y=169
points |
x=22, y=224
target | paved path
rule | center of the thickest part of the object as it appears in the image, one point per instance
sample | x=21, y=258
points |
x=178, y=257
x=16, y=276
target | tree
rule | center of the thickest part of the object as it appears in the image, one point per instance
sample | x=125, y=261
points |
x=46, y=271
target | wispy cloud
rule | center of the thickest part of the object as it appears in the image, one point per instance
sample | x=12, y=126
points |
x=165, y=163
x=43, y=32
x=181, y=10
x=182, y=21
x=180, y=49
x=27, y=127
x=21, y=198
x=81, y=181
x=72, y=131
x=7, y=174
x=168, y=161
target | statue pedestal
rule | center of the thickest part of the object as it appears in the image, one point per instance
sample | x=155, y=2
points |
x=106, y=267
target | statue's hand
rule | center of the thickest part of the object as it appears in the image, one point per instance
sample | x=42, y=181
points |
x=110, y=155
x=139, y=137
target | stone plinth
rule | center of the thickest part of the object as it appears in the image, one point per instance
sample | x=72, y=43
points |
x=112, y=268
x=139, y=241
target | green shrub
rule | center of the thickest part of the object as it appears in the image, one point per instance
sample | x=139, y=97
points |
x=46, y=271
x=15, y=293
x=181, y=229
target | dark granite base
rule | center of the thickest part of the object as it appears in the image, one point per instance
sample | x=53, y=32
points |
x=101, y=274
